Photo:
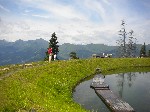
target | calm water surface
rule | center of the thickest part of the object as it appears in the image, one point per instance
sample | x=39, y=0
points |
x=134, y=88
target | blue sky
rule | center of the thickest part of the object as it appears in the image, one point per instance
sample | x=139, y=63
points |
x=74, y=21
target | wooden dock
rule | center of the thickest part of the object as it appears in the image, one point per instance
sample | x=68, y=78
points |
x=114, y=102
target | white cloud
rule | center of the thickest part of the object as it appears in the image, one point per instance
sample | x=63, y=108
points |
x=41, y=16
x=4, y=9
x=96, y=6
x=107, y=2
x=54, y=9
x=67, y=32
x=27, y=11
x=72, y=22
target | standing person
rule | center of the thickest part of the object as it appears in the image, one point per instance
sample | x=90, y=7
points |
x=50, y=52
x=55, y=56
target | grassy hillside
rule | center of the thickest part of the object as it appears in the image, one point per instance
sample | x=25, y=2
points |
x=47, y=87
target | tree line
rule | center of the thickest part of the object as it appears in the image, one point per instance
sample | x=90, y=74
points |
x=127, y=45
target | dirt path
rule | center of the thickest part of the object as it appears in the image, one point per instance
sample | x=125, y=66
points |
x=5, y=75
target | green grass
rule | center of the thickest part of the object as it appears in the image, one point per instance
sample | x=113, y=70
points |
x=48, y=87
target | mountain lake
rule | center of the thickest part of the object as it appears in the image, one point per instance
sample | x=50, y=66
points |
x=132, y=87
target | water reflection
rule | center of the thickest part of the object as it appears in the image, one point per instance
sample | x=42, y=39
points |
x=123, y=79
x=134, y=88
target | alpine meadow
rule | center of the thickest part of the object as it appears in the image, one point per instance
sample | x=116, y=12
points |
x=48, y=86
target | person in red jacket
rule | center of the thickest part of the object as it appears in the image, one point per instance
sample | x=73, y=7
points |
x=50, y=52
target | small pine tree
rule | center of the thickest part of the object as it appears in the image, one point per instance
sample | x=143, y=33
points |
x=131, y=50
x=143, y=51
x=73, y=55
x=148, y=53
x=122, y=41
x=52, y=44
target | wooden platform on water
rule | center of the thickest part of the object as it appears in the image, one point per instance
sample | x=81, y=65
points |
x=114, y=102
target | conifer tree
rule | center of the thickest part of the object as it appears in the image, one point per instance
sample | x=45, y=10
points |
x=131, y=50
x=53, y=44
x=126, y=42
x=73, y=55
x=148, y=53
x=143, y=51
x=122, y=41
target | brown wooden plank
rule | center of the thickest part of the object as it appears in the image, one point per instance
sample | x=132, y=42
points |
x=97, y=85
x=113, y=101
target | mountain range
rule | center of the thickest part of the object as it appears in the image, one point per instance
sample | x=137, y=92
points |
x=34, y=50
